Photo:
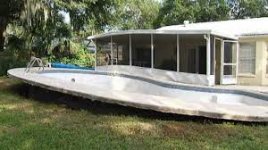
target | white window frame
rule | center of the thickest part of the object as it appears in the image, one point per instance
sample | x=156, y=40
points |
x=249, y=74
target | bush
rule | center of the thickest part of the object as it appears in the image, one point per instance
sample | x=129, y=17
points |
x=19, y=48
x=12, y=59
x=75, y=53
x=14, y=55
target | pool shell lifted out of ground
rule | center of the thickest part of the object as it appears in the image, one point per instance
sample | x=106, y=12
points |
x=145, y=93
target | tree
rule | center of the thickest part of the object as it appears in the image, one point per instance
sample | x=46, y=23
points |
x=211, y=10
x=87, y=15
x=248, y=8
x=9, y=11
x=177, y=11
x=136, y=14
x=42, y=24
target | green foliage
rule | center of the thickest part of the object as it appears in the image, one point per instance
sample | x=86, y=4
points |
x=13, y=57
x=248, y=8
x=177, y=11
x=87, y=15
x=212, y=10
x=137, y=14
x=38, y=31
x=15, y=54
x=174, y=12
x=73, y=53
x=9, y=11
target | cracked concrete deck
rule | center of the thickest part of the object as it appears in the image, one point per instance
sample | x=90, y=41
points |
x=256, y=113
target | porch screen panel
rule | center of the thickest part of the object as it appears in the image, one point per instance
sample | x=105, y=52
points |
x=193, y=54
x=103, y=51
x=141, y=50
x=121, y=49
x=165, y=52
x=247, y=58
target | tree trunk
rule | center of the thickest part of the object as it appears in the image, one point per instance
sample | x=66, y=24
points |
x=2, y=39
x=3, y=24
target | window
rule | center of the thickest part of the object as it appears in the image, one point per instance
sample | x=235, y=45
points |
x=247, y=57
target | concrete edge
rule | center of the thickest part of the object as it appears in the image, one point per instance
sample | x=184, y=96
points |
x=136, y=105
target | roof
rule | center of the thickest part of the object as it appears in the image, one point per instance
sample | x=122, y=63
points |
x=127, y=32
x=237, y=28
x=130, y=32
x=232, y=29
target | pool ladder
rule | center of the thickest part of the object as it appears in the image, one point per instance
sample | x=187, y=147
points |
x=32, y=62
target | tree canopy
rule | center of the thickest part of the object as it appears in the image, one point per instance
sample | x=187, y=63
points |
x=248, y=8
x=136, y=14
x=9, y=11
x=176, y=11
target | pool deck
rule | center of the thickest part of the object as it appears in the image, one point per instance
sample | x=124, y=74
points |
x=261, y=89
x=168, y=77
x=255, y=113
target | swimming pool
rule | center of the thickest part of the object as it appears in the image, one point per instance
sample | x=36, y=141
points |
x=152, y=94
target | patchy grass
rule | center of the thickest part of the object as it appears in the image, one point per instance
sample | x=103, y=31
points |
x=31, y=124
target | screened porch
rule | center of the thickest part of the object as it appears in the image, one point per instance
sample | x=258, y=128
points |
x=189, y=57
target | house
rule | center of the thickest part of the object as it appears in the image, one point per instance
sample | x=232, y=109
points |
x=210, y=53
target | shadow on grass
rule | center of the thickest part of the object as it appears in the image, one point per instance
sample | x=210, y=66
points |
x=100, y=108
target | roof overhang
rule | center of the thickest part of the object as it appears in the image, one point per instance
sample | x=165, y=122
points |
x=249, y=36
x=223, y=35
x=179, y=32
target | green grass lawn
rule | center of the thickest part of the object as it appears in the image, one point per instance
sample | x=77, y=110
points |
x=31, y=124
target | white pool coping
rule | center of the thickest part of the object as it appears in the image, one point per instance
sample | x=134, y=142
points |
x=151, y=102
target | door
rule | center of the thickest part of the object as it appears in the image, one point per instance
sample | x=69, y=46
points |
x=229, y=57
